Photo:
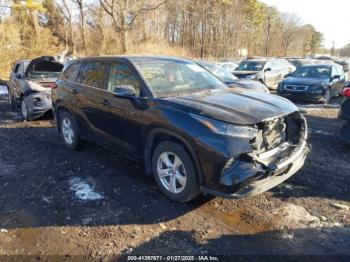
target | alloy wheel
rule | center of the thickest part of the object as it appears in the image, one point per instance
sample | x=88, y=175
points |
x=67, y=130
x=24, y=110
x=171, y=172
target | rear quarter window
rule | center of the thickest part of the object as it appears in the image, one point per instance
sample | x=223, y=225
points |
x=71, y=73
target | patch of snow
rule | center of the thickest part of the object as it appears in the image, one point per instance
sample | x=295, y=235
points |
x=317, y=106
x=320, y=132
x=294, y=216
x=83, y=190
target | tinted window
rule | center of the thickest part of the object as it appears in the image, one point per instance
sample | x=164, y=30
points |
x=71, y=73
x=120, y=74
x=93, y=74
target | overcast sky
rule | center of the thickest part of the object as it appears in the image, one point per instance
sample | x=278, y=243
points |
x=331, y=17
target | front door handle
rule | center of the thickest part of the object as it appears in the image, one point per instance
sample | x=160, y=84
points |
x=75, y=91
x=105, y=102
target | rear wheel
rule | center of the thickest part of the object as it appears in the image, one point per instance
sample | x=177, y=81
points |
x=68, y=130
x=174, y=172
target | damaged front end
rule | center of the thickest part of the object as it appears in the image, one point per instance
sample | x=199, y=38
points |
x=36, y=91
x=277, y=152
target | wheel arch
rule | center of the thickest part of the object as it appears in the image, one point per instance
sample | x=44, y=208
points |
x=157, y=135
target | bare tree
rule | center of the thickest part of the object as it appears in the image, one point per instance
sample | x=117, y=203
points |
x=124, y=13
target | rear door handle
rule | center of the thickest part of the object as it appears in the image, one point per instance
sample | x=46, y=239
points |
x=105, y=102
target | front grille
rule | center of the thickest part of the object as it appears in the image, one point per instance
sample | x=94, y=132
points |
x=275, y=132
x=295, y=88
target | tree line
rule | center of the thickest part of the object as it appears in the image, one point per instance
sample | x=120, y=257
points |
x=195, y=28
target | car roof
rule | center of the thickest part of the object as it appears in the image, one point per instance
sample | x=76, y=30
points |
x=319, y=65
x=135, y=58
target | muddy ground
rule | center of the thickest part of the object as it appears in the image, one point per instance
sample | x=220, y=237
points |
x=98, y=204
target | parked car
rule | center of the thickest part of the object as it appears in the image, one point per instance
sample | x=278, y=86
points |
x=3, y=87
x=186, y=127
x=336, y=60
x=344, y=114
x=299, y=62
x=29, y=85
x=231, y=80
x=267, y=71
x=317, y=83
x=228, y=66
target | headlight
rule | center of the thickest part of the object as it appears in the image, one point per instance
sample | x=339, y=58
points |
x=228, y=129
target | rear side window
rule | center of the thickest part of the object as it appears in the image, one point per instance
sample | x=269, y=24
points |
x=121, y=74
x=93, y=74
x=71, y=73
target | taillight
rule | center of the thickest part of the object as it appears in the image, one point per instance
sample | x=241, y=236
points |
x=346, y=91
x=53, y=85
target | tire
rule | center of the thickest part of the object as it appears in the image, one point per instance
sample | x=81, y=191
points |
x=68, y=130
x=185, y=186
x=327, y=96
x=11, y=101
x=24, y=110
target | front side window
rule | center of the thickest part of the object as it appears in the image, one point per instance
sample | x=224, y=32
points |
x=120, y=74
x=170, y=77
x=71, y=73
x=93, y=74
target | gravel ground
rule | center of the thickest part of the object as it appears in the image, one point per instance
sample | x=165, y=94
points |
x=97, y=204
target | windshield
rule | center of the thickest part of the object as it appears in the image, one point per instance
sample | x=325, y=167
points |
x=313, y=71
x=219, y=72
x=251, y=66
x=169, y=77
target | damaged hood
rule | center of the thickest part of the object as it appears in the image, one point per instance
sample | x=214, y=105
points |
x=43, y=59
x=236, y=106
x=240, y=74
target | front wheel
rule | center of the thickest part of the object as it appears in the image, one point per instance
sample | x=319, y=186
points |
x=68, y=130
x=327, y=96
x=24, y=110
x=174, y=172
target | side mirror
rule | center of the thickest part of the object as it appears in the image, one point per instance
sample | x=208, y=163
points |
x=124, y=90
x=18, y=76
x=336, y=77
x=268, y=69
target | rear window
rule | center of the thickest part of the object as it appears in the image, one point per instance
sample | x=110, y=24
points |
x=71, y=73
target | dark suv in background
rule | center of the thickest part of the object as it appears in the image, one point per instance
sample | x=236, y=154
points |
x=186, y=127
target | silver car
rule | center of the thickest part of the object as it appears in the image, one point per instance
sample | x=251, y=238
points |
x=30, y=85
